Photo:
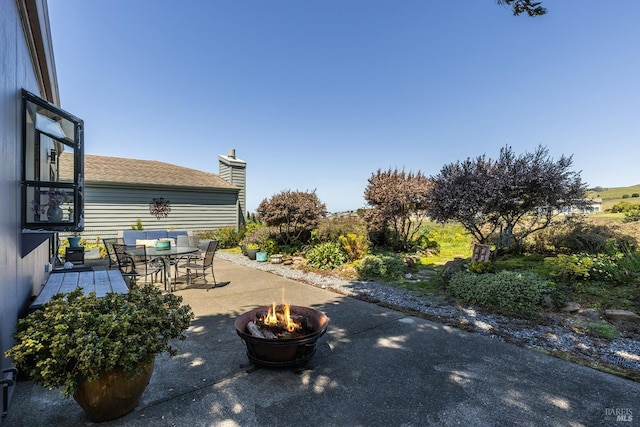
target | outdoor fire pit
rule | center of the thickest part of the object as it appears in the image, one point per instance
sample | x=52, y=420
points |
x=281, y=335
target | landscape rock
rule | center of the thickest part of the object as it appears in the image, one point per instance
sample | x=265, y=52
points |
x=452, y=267
x=571, y=307
x=590, y=313
x=622, y=315
x=409, y=262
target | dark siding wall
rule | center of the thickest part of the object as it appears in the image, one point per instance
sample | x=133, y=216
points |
x=20, y=277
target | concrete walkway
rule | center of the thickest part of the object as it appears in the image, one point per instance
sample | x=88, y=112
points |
x=374, y=367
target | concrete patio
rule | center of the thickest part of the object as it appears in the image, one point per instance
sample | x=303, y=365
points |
x=374, y=367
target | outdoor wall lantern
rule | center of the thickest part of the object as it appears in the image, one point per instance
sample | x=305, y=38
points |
x=52, y=168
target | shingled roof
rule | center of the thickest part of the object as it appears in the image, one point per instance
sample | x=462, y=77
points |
x=119, y=170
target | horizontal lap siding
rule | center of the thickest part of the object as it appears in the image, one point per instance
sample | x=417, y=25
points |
x=108, y=210
x=225, y=173
x=239, y=180
x=235, y=173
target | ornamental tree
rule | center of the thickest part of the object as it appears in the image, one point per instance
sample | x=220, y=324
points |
x=520, y=194
x=293, y=213
x=398, y=204
x=531, y=8
x=461, y=192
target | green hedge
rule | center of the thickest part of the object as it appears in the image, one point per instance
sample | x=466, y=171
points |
x=506, y=292
x=390, y=267
x=326, y=256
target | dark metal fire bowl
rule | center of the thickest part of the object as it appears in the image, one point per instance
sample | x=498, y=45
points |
x=278, y=353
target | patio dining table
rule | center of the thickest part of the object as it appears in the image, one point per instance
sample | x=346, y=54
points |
x=165, y=256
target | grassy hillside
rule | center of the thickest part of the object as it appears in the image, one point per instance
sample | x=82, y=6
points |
x=611, y=196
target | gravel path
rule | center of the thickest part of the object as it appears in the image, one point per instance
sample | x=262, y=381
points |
x=557, y=335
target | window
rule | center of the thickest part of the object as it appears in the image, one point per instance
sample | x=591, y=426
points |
x=52, y=167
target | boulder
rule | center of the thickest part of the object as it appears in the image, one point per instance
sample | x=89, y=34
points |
x=622, y=316
x=571, y=307
x=453, y=266
x=590, y=313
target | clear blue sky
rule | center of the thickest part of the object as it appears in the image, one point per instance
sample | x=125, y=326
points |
x=321, y=94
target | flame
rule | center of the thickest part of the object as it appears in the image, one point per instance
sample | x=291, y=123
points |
x=272, y=318
x=288, y=321
x=281, y=318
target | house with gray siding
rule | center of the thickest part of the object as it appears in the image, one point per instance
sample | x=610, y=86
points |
x=119, y=191
x=42, y=174
x=27, y=63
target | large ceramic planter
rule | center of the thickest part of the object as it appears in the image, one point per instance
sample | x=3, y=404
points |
x=261, y=256
x=251, y=253
x=113, y=394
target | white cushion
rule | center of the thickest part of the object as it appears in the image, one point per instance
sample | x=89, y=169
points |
x=148, y=243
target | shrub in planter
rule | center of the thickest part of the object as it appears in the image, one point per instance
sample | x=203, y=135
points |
x=251, y=250
x=76, y=338
x=258, y=237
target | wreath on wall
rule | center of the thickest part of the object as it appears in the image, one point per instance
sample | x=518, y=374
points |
x=159, y=207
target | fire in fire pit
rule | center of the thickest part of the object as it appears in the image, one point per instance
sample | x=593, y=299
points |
x=281, y=335
x=279, y=323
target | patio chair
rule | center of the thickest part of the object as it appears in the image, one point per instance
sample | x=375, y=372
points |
x=183, y=241
x=127, y=257
x=196, y=267
x=126, y=263
x=108, y=246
